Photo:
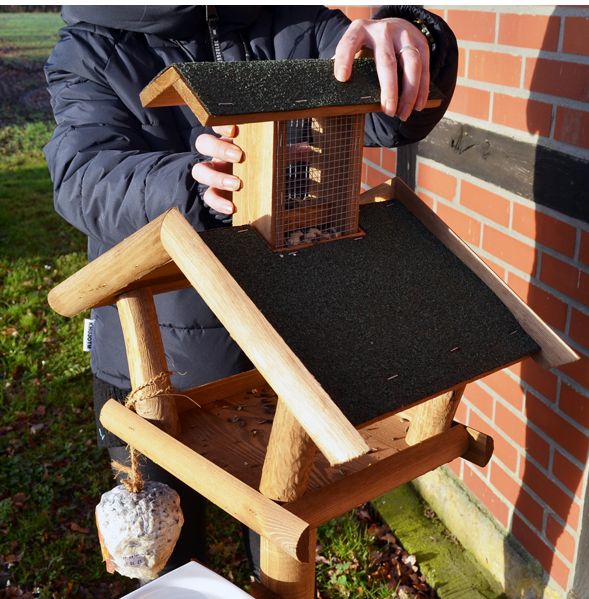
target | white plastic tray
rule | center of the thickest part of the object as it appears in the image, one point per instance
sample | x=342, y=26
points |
x=190, y=581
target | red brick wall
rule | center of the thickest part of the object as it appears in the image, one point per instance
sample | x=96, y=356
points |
x=523, y=73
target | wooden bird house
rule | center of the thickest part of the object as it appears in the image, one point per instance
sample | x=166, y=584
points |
x=302, y=144
x=362, y=348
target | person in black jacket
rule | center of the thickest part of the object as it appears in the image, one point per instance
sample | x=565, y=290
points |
x=116, y=166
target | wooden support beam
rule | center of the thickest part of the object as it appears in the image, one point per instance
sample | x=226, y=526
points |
x=105, y=277
x=323, y=421
x=285, y=530
x=480, y=448
x=433, y=416
x=284, y=576
x=317, y=507
x=148, y=369
x=289, y=458
x=285, y=476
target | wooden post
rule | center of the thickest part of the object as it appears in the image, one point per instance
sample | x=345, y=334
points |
x=433, y=416
x=285, y=576
x=148, y=369
x=285, y=475
x=289, y=458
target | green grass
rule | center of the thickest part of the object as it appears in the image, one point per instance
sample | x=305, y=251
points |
x=28, y=36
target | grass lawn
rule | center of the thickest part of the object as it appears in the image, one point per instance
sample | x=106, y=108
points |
x=51, y=473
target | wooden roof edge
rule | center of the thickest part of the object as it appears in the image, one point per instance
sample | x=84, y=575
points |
x=553, y=350
x=121, y=266
x=309, y=403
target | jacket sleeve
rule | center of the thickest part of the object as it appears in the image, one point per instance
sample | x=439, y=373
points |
x=107, y=181
x=382, y=130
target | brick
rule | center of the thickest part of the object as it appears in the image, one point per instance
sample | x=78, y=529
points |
x=479, y=398
x=473, y=26
x=544, y=229
x=389, y=160
x=462, y=54
x=436, y=181
x=427, y=199
x=504, y=451
x=508, y=389
x=560, y=538
x=494, y=67
x=548, y=307
x=512, y=425
x=554, y=496
x=584, y=249
x=467, y=228
x=579, y=330
x=522, y=114
x=373, y=154
x=364, y=173
x=529, y=31
x=485, y=203
x=531, y=541
x=566, y=278
x=519, y=498
x=574, y=404
x=513, y=251
x=537, y=448
x=498, y=270
x=471, y=102
x=579, y=370
x=486, y=495
x=557, y=428
x=374, y=177
x=462, y=413
x=572, y=126
x=557, y=78
x=568, y=473
x=517, y=430
x=541, y=379
x=575, y=35
x=456, y=466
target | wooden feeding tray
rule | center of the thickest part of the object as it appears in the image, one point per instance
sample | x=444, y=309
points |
x=362, y=346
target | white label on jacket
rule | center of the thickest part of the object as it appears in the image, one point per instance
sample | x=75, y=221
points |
x=88, y=341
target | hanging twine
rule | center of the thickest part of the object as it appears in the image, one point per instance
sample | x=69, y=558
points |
x=158, y=385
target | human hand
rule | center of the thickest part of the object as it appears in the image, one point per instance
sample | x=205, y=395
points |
x=393, y=42
x=216, y=173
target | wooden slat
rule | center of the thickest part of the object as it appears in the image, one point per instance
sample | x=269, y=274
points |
x=554, y=351
x=314, y=409
x=268, y=519
x=253, y=201
x=205, y=394
x=317, y=507
x=129, y=261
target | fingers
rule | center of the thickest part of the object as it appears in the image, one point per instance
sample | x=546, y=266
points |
x=214, y=174
x=215, y=200
x=386, y=68
x=395, y=43
x=351, y=41
x=218, y=148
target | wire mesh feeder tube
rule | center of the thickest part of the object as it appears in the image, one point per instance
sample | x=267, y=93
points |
x=317, y=165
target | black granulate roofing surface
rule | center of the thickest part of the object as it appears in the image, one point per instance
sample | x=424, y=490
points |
x=376, y=319
x=259, y=86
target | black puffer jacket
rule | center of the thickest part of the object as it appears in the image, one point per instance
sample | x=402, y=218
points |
x=116, y=166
